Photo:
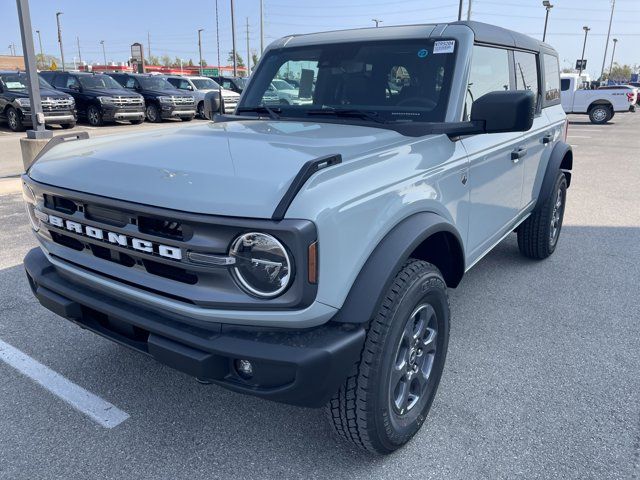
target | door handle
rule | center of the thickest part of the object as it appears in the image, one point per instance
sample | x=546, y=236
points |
x=547, y=138
x=517, y=154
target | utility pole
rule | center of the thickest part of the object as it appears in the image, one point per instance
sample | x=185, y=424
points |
x=149, y=45
x=233, y=41
x=12, y=49
x=584, y=45
x=547, y=5
x=604, y=59
x=40, y=43
x=615, y=40
x=79, y=54
x=26, y=32
x=60, y=39
x=248, y=50
x=218, y=38
x=261, y=27
x=460, y=10
x=377, y=21
x=104, y=54
x=200, y=47
x=469, y=11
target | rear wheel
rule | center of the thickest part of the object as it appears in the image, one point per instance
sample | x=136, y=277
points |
x=538, y=235
x=386, y=399
x=14, y=119
x=600, y=114
x=94, y=116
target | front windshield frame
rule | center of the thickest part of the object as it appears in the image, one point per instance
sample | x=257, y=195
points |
x=147, y=83
x=85, y=82
x=447, y=72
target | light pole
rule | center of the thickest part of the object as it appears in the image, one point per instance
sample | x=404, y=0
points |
x=469, y=11
x=104, y=54
x=584, y=45
x=604, y=59
x=377, y=21
x=460, y=10
x=233, y=41
x=41, y=54
x=79, y=53
x=60, y=39
x=547, y=5
x=613, y=54
x=200, y=47
x=261, y=27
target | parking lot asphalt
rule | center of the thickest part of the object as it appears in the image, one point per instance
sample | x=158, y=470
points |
x=542, y=376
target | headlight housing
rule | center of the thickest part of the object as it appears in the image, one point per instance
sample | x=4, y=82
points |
x=263, y=267
x=165, y=99
x=30, y=203
x=105, y=100
x=23, y=102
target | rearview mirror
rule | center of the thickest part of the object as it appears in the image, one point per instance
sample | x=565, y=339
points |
x=212, y=104
x=505, y=111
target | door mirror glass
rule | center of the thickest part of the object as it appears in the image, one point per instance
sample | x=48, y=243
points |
x=505, y=111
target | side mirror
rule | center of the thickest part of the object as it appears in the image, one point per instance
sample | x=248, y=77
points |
x=74, y=87
x=212, y=104
x=505, y=111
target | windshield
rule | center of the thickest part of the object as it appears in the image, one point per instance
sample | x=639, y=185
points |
x=399, y=81
x=155, y=83
x=18, y=82
x=204, y=84
x=99, y=82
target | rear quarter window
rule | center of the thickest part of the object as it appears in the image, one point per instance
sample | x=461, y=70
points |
x=551, y=81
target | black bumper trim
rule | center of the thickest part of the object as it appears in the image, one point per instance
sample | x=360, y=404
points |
x=302, y=367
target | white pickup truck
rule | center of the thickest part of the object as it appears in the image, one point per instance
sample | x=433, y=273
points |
x=600, y=105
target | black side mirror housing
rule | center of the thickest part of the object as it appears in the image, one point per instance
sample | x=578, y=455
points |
x=505, y=111
x=212, y=104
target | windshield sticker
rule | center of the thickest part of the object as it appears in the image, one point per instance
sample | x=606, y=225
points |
x=444, y=46
x=423, y=53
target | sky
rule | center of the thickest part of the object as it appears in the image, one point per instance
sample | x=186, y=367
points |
x=172, y=26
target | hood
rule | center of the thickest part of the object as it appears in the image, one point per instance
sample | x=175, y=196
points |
x=238, y=168
x=110, y=93
x=47, y=92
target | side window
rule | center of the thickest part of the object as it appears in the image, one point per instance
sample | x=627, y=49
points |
x=129, y=82
x=565, y=84
x=72, y=82
x=174, y=81
x=60, y=81
x=489, y=73
x=551, y=80
x=180, y=83
x=527, y=73
x=227, y=84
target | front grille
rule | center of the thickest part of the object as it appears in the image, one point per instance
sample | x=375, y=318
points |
x=50, y=104
x=180, y=101
x=128, y=101
x=230, y=99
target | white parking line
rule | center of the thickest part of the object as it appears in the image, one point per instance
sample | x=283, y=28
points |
x=99, y=410
x=578, y=136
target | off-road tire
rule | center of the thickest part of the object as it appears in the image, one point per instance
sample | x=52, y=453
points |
x=200, y=111
x=361, y=412
x=94, y=116
x=14, y=120
x=534, y=234
x=600, y=114
x=153, y=113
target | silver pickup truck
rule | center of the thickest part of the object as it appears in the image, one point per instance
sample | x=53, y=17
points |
x=303, y=253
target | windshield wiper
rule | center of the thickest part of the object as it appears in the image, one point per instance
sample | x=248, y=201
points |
x=272, y=112
x=347, y=112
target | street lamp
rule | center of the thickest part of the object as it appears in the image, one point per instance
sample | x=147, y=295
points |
x=41, y=62
x=377, y=21
x=60, y=38
x=200, y=30
x=615, y=40
x=548, y=6
x=104, y=54
x=584, y=45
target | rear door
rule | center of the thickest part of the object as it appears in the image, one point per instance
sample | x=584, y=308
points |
x=495, y=179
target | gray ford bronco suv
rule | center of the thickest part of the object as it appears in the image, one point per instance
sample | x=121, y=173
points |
x=302, y=253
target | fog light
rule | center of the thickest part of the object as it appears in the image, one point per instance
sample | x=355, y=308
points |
x=244, y=368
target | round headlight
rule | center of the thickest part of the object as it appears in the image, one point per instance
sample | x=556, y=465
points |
x=262, y=267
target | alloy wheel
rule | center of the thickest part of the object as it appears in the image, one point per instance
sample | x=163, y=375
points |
x=556, y=217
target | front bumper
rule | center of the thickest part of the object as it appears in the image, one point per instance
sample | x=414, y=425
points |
x=111, y=114
x=180, y=111
x=62, y=117
x=301, y=367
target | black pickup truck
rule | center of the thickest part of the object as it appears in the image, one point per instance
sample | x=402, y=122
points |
x=99, y=98
x=15, y=106
x=162, y=100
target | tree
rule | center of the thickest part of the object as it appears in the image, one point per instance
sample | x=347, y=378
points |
x=190, y=63
x=43, y=62
x=177, y=62
x=239, y=59
x=620, y=73
x=153, y=60
x=254, y=58
x=568, y=70
x=203, y=63
x=165, y=60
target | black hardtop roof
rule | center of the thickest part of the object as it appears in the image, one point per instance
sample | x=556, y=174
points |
x=494, y=35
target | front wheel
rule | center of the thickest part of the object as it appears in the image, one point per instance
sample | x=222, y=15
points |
x=153, y=113
x=386, y=399
x=94, y=116
x=600, y=114
x=14, y=119
x=538, y=235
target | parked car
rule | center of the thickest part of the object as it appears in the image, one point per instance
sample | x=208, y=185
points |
x=600, y=104
x=99, y=98
x=235, y=84
x=162, y=100
x=199, y=87
x=637, y=85
x=302, y=253
x=15, y=106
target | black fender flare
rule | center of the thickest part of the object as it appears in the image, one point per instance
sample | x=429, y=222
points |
x=378, y=272
x=556, y=162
